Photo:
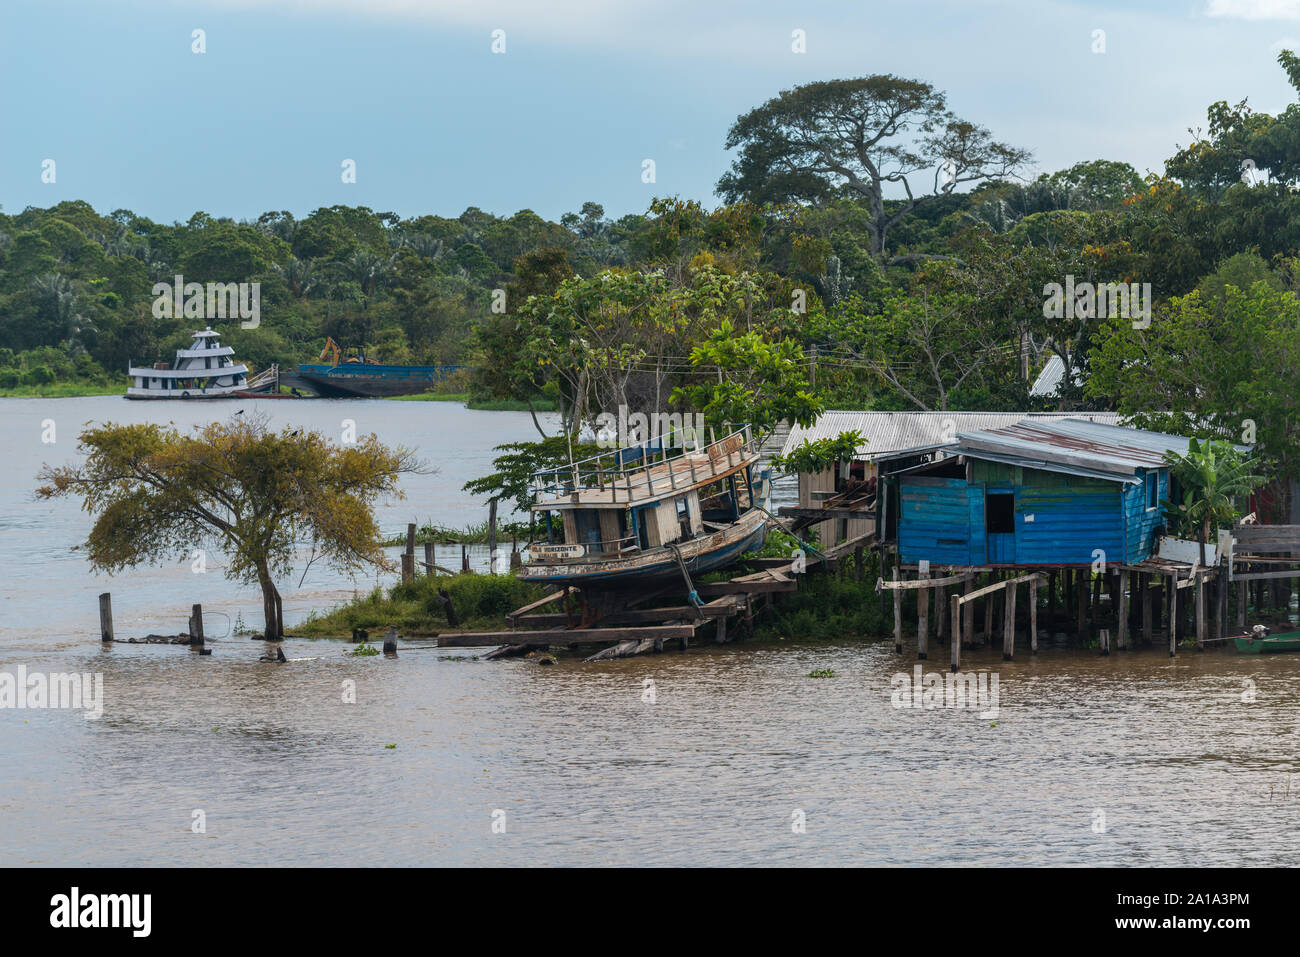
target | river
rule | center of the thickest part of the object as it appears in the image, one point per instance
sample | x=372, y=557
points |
x=737, y=757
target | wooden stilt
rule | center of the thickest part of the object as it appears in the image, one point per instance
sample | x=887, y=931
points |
x=105, y=617
x=1173, y=615
x=1009, y=622
x=968, y=617
x=1144, y=583
x=940, y=603
x=1241, y=605
x=1051, y=595
x=721, y=636
x=1033, y=615
x=428, y=558
x=1200, y=614
x=1122, y=625
x=1081, y=605
x=390, y=640
x=1221, y=602
x=1103, y=641
x=464, y=559
x=955, y=601
x=898, y=616
x=923, y=619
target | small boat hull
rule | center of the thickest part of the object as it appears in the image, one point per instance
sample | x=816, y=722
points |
x=701, y=554
x=1250, y=645
x=364, y=381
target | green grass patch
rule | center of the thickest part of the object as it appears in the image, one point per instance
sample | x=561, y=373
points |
x=469, y=535
x=481, y=602
x=63, y=389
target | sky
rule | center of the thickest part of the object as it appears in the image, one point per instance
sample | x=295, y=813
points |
x=584, y=93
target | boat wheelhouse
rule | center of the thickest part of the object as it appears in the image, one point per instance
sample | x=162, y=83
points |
x=649, y=512
x=203, y=371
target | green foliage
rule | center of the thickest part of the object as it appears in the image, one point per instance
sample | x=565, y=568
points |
x=1213, y=477
x=820, y=454
x=363, y=650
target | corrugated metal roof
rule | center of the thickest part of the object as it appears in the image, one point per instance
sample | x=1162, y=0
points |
x=1049, y=380
x=888, y=432
x=1094, y=448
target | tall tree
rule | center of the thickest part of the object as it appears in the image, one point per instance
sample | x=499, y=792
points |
x=252, y=493
x=860, y=136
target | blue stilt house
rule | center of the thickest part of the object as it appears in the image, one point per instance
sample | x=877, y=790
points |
x=1032, y=494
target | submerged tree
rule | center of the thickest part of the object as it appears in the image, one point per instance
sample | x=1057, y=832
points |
x=237, y=486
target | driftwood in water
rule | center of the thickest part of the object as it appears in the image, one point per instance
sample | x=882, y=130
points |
x=626, y=649
x=508, y=651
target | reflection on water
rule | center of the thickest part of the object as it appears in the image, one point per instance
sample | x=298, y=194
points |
x=587, y=772
x=712, y=772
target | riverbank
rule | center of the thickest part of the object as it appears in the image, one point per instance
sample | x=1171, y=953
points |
x=62, y=390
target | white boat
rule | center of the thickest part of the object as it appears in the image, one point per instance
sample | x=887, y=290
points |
x=203, y=371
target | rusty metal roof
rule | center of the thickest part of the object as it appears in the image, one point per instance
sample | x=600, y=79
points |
x=885, y=433
x=1084, y=448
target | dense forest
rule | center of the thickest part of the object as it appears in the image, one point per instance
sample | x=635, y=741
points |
x=825, y=279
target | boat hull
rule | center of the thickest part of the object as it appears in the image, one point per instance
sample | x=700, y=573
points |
x=701, y=554
x=1273, y=644
x=364, y=381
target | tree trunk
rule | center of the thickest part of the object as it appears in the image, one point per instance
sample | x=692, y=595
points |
x=271, y=612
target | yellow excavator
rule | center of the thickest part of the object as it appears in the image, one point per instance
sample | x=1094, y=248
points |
x=335, y=355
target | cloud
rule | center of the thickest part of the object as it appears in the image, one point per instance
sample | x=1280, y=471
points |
x=1254, y=9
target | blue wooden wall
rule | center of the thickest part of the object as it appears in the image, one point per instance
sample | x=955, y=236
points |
x=1059, y=519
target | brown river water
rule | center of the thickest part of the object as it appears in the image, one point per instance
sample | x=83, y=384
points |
x=737, y=757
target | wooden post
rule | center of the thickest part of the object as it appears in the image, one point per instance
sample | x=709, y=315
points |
x=390, y=640
x=428, y=558
x=923, y=618
x=1221, y=602
x=1033, y=615
x=1241, y=605
x=464, y=559
x=1009, y=624
x=1103, y=640
x=1081, y=605
x=1122, y=641
x=940, y=603
x=988, y=616
x=196, y=625
x=898, y=616
x=105, y=617
x=721, y=636
x=408, y=567
x=1051, y=595
x=492, y=535
x=956, y=631
x=967, y=633
x=1144, y=583
x=1200, y=613
x=1173, y=614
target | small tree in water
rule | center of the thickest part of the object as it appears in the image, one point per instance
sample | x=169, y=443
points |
x=237, y=486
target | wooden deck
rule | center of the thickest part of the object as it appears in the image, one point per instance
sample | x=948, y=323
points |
x=619, y=489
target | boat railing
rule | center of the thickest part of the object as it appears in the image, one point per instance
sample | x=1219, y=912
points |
x=547, y=552
x=612, y=470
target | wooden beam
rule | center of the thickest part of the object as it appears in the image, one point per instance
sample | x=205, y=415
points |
x=987, y=589
x=1265, y=576
x=577, y=636
x=1122, y=638
x=898, y=616
x=881, y=584
x=955, y=603
x=747, y=588
x=541, y=602
x=1033, y=615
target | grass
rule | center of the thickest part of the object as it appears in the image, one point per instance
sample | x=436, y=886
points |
x=64, y=389
x=481, y=602
x=469, y=535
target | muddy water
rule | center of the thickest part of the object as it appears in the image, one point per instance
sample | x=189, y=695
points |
x=1130, y=759
x=583, y=770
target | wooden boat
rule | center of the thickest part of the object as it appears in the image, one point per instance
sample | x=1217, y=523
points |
x=647, y=514
x=1260, y=642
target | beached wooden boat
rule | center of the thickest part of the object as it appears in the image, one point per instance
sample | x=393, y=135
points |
x=1263, y=643
x=647, y=514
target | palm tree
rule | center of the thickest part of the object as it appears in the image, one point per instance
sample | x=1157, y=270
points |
x=56, y=300
x=1213, y=475
x=300, y=275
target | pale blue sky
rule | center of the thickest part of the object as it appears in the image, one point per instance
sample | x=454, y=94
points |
x=586, y=90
